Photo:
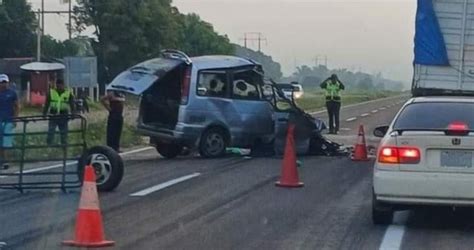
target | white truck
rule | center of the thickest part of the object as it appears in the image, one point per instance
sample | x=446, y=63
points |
x=444, y=48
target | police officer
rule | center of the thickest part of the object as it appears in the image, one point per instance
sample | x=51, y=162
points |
x=114, y=102
x=59, y=104
x=333, y=88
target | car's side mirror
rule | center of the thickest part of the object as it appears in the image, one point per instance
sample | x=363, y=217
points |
x=380, y=131
x=202, y=91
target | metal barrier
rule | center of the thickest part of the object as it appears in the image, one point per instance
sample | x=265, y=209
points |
x=26, y=141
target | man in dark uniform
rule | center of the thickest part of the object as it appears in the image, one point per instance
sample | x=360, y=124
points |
x=333, y=88
x=114, y=102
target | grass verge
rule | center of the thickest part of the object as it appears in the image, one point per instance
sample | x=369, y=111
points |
x=95, y=135
x=316, y=101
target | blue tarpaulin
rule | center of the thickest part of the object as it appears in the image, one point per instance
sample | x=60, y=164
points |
x=430, y=48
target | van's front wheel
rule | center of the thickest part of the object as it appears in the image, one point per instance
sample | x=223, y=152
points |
x=168, y=150
x=213, y=143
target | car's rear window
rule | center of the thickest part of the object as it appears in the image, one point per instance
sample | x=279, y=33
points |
x=435, y=115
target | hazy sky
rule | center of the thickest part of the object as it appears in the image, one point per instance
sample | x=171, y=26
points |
x=372, y=35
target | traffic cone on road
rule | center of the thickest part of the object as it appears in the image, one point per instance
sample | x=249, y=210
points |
x=289, y=172
x=89, y=229
x=360, y=149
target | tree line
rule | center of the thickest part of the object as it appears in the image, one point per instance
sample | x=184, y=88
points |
x=311, y=77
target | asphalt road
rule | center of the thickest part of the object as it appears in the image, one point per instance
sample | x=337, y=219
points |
x=232, y=203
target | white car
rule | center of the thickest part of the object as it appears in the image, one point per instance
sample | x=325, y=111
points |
x=292, y=89
x=426, y=157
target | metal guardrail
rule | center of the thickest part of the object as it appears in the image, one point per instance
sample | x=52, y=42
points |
x=24, y=143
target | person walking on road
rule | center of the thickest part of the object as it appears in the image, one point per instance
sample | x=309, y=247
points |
x=114, y=102
x=59, y=104
x=333, y=87
x=9, y=109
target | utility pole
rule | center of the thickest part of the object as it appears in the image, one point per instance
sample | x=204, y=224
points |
x=42, y=15
x=325, y=57
x=42, y=12
x=38, y=41
x=70, y=19
x=254, y=36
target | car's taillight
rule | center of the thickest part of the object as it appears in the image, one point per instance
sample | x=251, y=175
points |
x=399, y=155
x=185, y=86
x=457, y=128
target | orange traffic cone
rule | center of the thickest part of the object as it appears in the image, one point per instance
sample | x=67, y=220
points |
x=289, y=173
x=89, y=228
x=360, y=150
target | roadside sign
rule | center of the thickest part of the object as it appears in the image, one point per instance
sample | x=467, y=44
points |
x=81, y=72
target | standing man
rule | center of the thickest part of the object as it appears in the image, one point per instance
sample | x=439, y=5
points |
x=114, y=102
x=59, y=104
x=9, y=109
x=333, y=89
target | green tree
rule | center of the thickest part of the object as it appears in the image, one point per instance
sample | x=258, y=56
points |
x=199, y=38
x=272, y=69
x=52, y=48
x=17, y=29
x=366, y=84
x=128, y=31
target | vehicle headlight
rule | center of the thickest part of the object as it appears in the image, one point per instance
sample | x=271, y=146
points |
x=297, y=95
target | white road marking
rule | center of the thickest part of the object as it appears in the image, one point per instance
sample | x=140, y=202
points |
x=375, y=111
x=393, y=237
x=351, y=119
x=72, y=163
x=382, y=108
x=365, y=114
x=164, y=185
x=136, y=151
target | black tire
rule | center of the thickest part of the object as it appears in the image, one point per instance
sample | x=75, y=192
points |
x=213, y=143
x=382, y=214
x=103, y=157
x=168, y=150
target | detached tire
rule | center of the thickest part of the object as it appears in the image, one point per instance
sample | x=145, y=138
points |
x=108, y=166
x=213, y=143
x=382, y=214
x=168, y=150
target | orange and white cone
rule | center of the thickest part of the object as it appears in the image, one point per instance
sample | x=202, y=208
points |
x=289, y=172
x=89, y=229
x=360, y=150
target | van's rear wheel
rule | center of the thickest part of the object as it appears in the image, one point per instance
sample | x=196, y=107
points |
x=168, y=150
x=213, y=143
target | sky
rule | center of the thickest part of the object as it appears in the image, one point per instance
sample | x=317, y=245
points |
x=368, y=35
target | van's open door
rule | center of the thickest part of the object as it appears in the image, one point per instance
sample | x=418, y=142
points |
x=140, y=77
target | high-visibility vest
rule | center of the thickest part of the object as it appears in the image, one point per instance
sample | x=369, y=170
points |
x=60, y=102
x=333, y=91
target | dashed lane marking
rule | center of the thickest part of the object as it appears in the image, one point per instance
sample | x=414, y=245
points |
x=393, y=237
x=375, y=111
x=164, y=185
x=351, y=119
x=72, y=163
x=365, y=115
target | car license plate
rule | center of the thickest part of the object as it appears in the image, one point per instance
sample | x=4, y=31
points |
x=456, y=158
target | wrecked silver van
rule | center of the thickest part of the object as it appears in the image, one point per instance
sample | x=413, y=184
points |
x=210, y=103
